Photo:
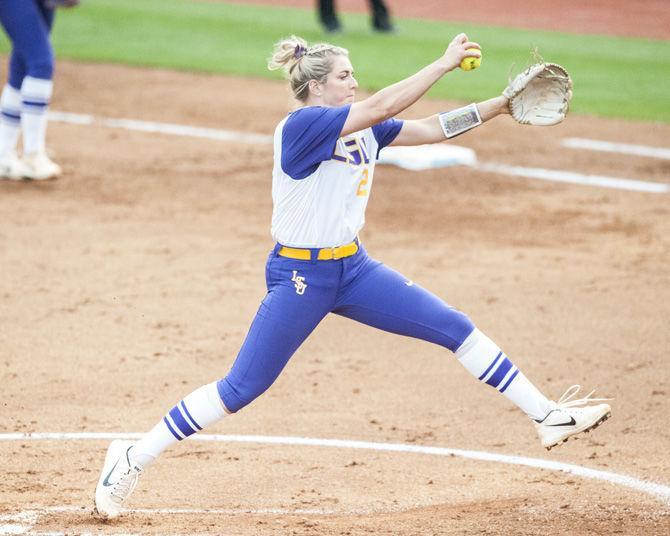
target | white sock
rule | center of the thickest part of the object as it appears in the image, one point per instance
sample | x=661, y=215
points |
x=202, y=408
x=486, y=362
x=10, y=119
x=35, y=98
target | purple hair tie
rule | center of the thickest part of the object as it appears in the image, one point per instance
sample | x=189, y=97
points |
x=299, y=52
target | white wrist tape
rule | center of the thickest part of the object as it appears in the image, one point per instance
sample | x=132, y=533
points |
x=460, y=120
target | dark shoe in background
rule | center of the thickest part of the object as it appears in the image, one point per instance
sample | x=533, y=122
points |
x=332, y=26
x=382, y=23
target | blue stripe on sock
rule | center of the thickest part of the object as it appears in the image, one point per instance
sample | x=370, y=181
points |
x=11, y=115
x=509, y=381
x=500, y=373
x=490, y=367
x=41, y=104
x=167, y=423
x=184, y=427
x=189, y=415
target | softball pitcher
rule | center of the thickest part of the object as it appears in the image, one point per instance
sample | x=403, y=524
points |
x=25, y=98
x=324, y=163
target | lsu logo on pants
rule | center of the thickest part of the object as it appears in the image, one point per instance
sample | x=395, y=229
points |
x=299, y=281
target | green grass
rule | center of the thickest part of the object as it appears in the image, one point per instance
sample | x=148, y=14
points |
x=615, y=77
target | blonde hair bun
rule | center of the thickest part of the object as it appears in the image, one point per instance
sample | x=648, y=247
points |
x=302, y=63
x=286, y=54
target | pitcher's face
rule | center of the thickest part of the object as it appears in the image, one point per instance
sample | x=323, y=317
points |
x=340, y=86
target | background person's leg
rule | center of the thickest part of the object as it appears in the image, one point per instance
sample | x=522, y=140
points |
x=328, y=17
x=28, y=24
x=381, y=19
x=10, y=129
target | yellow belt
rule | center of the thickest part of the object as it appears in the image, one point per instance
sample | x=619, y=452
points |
x=325, y=254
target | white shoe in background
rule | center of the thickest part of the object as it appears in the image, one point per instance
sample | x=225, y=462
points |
x=11, y=167
x=39, y=167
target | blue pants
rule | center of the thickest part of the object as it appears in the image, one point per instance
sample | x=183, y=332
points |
x=28, y=23
x=301, y=293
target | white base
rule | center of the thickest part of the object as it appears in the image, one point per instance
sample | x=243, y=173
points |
x=428, y=156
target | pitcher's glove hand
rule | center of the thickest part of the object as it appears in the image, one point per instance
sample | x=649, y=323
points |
x=540, y=95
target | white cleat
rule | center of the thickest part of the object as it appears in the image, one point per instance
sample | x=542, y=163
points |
x=11, y=167
x=39, y=167
x=117, y=481
x=566, y=420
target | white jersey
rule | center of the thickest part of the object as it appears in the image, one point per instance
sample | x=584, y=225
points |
x=321, y=182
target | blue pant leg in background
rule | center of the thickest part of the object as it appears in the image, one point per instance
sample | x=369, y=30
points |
x=28, y=23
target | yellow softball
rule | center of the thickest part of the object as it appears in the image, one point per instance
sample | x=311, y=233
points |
x=471, y=62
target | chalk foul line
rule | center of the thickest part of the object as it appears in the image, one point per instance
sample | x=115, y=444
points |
x=171, y=129
x=659, y=491
x=620, y=148
x=554, y=175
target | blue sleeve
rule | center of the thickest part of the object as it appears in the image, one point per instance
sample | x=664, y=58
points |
x=309, y=137
x=386, y=131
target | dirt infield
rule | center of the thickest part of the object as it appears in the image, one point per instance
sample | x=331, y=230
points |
x=132, y=281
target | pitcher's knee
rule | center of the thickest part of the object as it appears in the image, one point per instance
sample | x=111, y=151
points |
x=236, y=394
x=42, y=67
x=460, y=327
